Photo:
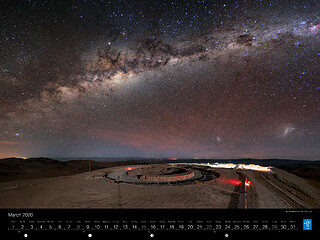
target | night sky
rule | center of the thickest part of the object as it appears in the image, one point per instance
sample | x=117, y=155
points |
x=152, y=78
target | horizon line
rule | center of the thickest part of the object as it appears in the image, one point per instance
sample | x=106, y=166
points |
x=166, y=158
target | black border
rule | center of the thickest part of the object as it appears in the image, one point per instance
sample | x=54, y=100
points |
x=182, y=216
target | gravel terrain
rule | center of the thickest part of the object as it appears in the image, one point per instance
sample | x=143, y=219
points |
x=278, y=189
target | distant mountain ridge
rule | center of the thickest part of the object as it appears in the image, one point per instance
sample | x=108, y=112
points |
x=263, y=162
x=18, y=168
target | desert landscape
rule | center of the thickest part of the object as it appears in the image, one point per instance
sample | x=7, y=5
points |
x=156, y=93
x=129, y=184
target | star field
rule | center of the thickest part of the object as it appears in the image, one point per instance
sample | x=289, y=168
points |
x=192, y=79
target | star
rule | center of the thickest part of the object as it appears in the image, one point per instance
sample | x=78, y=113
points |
x=159, y=79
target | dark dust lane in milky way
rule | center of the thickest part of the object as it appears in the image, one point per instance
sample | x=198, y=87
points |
x=192, y=79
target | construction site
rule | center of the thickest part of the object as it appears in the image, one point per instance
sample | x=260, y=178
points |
x=179, y=185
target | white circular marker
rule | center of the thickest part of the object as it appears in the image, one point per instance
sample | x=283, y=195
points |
x=152, y=235
x=25, y=235
x=89, y=235
x=226, y=235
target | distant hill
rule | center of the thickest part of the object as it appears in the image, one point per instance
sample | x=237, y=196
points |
x=103, y=159
x=17, y=168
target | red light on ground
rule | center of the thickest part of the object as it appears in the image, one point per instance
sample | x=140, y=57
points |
x=238, y=182
x=234, y=182
x=247, y=183
x=129, y=168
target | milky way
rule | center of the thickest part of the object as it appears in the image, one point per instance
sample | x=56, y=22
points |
x=191, y=79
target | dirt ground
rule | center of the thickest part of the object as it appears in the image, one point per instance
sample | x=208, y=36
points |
x=278, y=189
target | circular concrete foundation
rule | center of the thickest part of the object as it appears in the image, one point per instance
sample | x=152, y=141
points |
x=161, y=174
x=168, y=177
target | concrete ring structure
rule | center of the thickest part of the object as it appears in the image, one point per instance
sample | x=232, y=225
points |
x=178, y=174
x=161, y=174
